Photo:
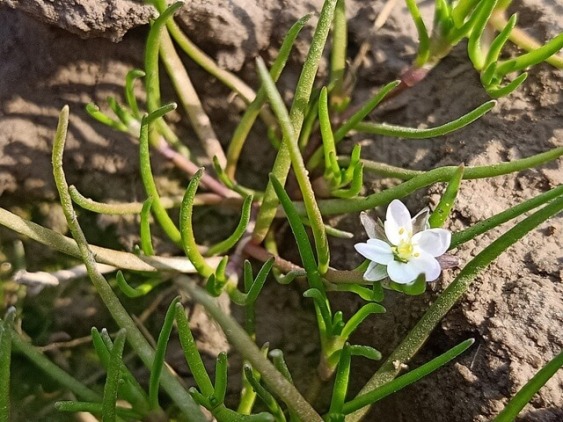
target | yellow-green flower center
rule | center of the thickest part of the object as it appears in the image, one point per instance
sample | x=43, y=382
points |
x=405, y=250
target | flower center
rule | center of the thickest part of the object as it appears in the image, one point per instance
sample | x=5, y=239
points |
x=406, y=249
x=403, y=251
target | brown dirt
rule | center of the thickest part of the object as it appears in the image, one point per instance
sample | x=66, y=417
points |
x=109, y=19
x=514, y=309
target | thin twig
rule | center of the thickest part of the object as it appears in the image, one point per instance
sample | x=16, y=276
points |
x=40, y=279
x=366, y=45
x=521, y=38
x=190, y=100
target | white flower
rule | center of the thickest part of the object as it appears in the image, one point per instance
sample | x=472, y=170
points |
x=403, y=248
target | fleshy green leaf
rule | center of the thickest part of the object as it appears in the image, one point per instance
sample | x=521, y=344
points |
x=5, y=360
x=160, y=353
x=444, y=207
x=407, y=379
x=109, y=400
x=526, y=393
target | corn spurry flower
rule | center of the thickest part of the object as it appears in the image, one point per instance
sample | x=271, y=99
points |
x=403, y=248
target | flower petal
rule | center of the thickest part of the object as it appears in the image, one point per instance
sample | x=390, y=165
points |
x=375, y=272
x=369, y=225
x=426, y=264
x=375, y=250
x=398, y=224
x=420, y=221
x=402, y=272
x=380, y=231
x=434, y=241
x=407, y=272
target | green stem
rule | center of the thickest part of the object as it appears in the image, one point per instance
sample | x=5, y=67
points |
x=220, y=385
x=462, y=11
x=231, y=184
x=303, y=245
x=332, y=170
x=95, y=408
x=444, y=207
x=413, y=133
x=122, y=114
x=341, y=381
x=109, y=400
x=118, y=259
x=526, y=393
x=364, y=110
x=145, y=228
x=443, y=174
x=301, y=173
x=405, y=380
x=297, y=114
x=356, y=319
x=522, y=39
x=481, y=227
x=132, y=75
x=478, y=172
x=52, y=370
x=382, y=169
x=353, y=121
x=193, y=358
x=94, y=111
x=249, y=117
x=158, y=209
x=129, y=388
x=152, y=79
x=5, y=361
x=423, y=38
x=140, y=290
x=190, y=100
x=456, y=34
x=136, y=339
x=498, y=43
x=531, y=58
x=338, y=53
x=239, y=231
x=236, y=335
x=269, y=400
x=160, y=354
x=186, y=227
x=474, y=48
x=101, y=208
x=495, y=91
x=248, y=395
x=252, y=290
x=202, y=59
x=419, y=334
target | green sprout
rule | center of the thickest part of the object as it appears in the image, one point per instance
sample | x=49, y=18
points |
x=468, y=19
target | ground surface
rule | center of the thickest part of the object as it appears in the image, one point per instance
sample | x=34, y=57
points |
x=514, y=310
